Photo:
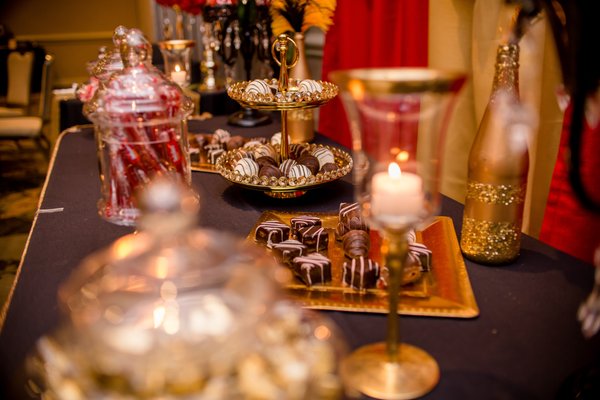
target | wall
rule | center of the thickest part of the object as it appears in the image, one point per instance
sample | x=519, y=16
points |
x=73, y=30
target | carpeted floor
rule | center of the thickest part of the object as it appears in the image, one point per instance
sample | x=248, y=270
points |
x=22, y=174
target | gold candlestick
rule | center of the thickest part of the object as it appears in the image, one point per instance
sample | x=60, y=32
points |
x=390, y=369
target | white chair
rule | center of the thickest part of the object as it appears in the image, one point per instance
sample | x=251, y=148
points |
x=18, y=96
x=32, y=127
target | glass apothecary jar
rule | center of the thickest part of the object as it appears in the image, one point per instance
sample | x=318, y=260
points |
x=174, y=312
x=139, y=118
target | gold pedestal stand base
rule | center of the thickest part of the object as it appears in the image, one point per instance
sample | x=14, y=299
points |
x=286, y=195
x=369, y=370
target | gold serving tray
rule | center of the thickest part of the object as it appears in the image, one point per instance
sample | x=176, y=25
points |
x=444, y=291
x=285, y=187
x=292, y=100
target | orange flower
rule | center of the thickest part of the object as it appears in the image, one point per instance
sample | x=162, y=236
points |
x=300, y=15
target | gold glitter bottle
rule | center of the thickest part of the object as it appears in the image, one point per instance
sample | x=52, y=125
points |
x=498, y=165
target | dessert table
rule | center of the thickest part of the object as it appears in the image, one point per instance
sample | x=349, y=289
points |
x=525, y=344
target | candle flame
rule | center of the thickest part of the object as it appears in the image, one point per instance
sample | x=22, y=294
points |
x=394, y=170
x=177, y=68
x=403, y=156
x=356, y=88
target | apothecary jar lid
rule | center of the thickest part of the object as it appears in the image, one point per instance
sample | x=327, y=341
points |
x=138, y=90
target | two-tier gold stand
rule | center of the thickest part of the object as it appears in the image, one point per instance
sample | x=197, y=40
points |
x=285, y=95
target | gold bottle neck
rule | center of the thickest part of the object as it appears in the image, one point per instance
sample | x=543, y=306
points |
x=506, y=76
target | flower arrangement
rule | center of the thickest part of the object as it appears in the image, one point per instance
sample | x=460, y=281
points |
x=300, y=15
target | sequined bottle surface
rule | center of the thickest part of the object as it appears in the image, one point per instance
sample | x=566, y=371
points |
x=498, y=165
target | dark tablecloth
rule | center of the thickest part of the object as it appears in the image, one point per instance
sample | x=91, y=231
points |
x=524, y=345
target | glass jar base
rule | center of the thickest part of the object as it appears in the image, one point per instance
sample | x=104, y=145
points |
x=121, y=216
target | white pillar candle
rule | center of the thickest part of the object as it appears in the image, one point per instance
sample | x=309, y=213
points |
x=178, y=76
x=396, y=195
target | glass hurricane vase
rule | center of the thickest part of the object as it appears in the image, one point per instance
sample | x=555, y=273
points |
x=398, y=118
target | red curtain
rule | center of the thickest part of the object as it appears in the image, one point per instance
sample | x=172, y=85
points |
x=567, y=225
x=371, y=33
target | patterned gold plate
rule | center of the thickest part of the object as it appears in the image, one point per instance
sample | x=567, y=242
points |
x=444, y=291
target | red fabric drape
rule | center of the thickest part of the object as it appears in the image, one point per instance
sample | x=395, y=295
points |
x=567, y=225
x=371, y=33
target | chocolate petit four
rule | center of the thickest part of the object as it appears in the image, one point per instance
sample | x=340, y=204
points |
x=289, y=249
x=350, y=218
x=419, y=254
x=315, y=237
x=356, y=243
x=360, y=273
x=213, y=155
x=410, y=273
x=303, y=221
x=312, y=269
x=271, y=232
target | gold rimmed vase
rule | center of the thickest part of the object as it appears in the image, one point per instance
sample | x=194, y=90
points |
x=398, y=118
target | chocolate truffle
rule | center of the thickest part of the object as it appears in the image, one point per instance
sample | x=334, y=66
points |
x=309, y=161
x=276, y=139
x=287, y=165
x=246, y=167
x=360, y=273
x=315, y=238
x=312, y=269
x=235, y=142
x=287, y=250
x=265, y=150
x=296, y=150
x=311, y=86
x=324, y=155
x=303, y=221
x=271, y=232
x=356, y=243
x=220, y=136
x=328, y=167
x=258, y=86
x=269, y=171
x=266, y=160
x=239, y=154
x=298, y=171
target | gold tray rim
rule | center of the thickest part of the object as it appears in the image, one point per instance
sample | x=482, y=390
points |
x=267, y=101
x=434, y=305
